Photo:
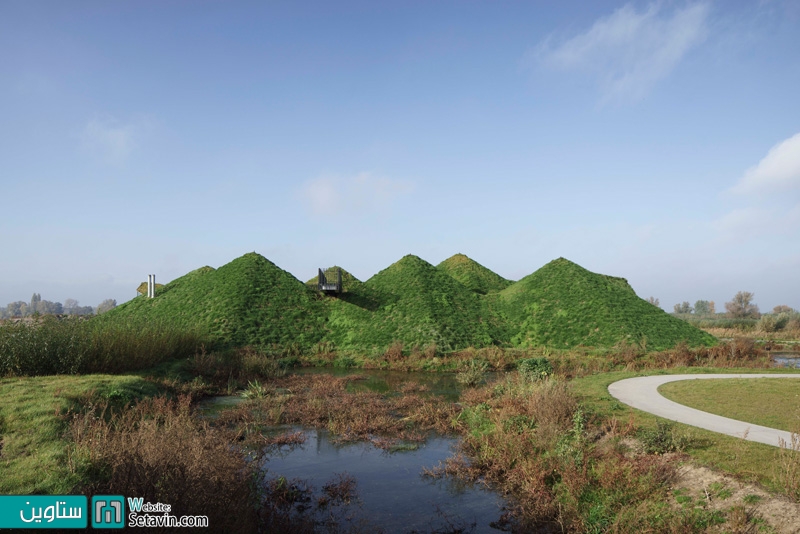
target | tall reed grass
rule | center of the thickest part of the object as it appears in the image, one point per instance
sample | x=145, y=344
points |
x=73, y=346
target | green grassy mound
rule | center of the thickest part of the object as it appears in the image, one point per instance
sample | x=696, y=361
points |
x=247, y=301
x=412, y=302
x=473, y=275
x=563, y=305
x=458, y=304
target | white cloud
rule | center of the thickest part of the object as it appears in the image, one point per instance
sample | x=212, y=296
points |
x=362, y=193
x=778, y=171
x=629, y=51
x=109, y=140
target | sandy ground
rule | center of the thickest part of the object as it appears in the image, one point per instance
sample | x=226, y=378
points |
x=702, y=483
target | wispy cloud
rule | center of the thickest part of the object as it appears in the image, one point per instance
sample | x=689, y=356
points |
x=778, y=171
x=109, y=140
x=769, y=191
x=628, y=51
x=359, y=194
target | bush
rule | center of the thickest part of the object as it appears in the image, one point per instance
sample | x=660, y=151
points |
x=473, y=373
x=663, y=439
x=535, y=368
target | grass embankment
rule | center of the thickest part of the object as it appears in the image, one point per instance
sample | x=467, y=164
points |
x=562, y=305
x=773, y=403
x=247, y=301
x=473, y=275
x=415, y=305
x=411, y=305
x=34, y=447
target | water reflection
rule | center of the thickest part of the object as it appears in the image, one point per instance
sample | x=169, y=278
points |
x=393, y=494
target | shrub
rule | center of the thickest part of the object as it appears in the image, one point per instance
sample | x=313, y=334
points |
x=663, y=439
x=473, y=373
x=535, y=368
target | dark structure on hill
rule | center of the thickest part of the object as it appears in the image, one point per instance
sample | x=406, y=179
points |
x=330, y=281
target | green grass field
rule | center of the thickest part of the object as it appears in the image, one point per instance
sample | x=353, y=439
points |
x=774, y=403
x=34, y=420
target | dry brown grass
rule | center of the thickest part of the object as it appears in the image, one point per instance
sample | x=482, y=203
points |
x=787, y=467
x=157, y=450
x=323, y=401
x=531, y=441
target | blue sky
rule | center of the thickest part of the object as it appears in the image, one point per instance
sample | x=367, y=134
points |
x=657, y=141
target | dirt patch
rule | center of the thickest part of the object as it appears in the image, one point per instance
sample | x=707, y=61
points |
x=722, y=492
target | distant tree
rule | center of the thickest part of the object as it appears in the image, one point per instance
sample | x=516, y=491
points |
x=702, y=307
x=654, y=302
x=782, y=308
x=69, y=305
x=684, y=307
x=712, y=308
x=17, y=309
x=742, y=306
x=108, y=304
x=35, y=300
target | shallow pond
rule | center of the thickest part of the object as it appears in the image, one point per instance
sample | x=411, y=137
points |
x=786, y=359
x=393, y=495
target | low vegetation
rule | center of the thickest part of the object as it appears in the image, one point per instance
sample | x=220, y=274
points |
x=69, y=346
x=556, y=444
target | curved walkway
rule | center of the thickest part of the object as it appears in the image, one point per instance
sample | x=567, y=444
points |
x=642, y=393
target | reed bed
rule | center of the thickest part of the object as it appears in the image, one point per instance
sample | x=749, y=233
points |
x=73, y=346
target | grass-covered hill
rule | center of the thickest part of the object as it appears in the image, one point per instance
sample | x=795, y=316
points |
x=563, y=305
x=458, y=304
x=247, y=301
x=473, y=275
x=413, y=302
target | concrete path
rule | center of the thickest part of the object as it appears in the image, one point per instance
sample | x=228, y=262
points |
x=642, y=393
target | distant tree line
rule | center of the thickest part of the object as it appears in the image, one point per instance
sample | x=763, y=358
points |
x=701, y=307
x=38, y=306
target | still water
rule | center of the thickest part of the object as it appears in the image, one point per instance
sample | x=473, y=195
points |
x=786, y=359
x=392, y=493
x=393, y=496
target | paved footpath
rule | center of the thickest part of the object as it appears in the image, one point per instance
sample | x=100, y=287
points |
x=642, y=393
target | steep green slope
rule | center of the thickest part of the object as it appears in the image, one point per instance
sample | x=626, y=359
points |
x=417, y=304
x=473, y=275
x=563, y=305
x=247, y=301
